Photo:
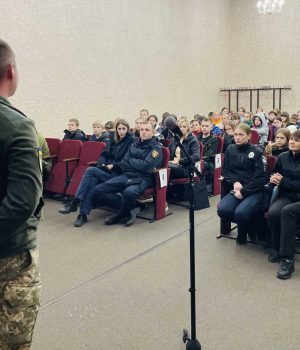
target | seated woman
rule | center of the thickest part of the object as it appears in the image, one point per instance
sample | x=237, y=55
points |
x=107, y=168
x=178, y=158
x=243, y=173
x=280, y=145
x=284, y=212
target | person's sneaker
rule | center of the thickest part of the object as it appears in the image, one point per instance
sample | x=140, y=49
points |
x=286, y=268
x=69, y=207
x=273, y=256
x=166, y=207
x=81, y=220
x=145, y=199
x=113, y=219
x=132, y=216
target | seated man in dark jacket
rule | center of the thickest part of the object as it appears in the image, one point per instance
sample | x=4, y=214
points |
x=137, y=167
x=73, y=132
x=210, y=143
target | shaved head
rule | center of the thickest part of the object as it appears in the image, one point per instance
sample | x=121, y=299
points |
x=6, y=57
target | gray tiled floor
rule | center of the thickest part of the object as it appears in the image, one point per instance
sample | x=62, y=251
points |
x=127, y=288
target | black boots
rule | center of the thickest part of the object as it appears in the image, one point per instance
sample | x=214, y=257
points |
x=70, y=207
x=116, y=217
x=285, y=268
x=81, y=219
x=132, y=216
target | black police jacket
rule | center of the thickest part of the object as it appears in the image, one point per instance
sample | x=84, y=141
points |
x=115, y=152
x=288, y=165
x=244, y=164
x=75, y=135
x=141, y=159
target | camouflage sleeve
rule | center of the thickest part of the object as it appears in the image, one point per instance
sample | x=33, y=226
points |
x=24, y=178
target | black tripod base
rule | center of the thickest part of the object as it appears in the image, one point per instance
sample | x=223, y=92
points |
x=193, y=344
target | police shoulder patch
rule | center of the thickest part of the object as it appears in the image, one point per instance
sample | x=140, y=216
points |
x=154, y=154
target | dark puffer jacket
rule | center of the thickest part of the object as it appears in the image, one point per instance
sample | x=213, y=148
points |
x=115, y=152
x=244, y=164
x=192, y=147
x=75, y=135
x=288, y=165
x=141, y=159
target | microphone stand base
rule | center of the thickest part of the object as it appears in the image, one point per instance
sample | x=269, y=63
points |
x=193, y=344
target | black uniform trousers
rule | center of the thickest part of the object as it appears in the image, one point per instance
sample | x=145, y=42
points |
x=119, y=193
x=283, y=217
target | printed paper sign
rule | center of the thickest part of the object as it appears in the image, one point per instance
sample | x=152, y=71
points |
x=163, y=177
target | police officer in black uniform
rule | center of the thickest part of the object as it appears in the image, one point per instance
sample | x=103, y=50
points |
x=20, y=192
x=137, y=167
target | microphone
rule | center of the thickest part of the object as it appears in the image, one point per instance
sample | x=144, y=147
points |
x=171, y=123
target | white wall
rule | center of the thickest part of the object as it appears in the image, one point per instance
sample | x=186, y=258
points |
x=101, y=59
x=264, y=50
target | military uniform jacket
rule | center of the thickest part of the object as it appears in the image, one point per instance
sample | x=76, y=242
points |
x=244, y=164
x=141, y=159
x=20, y=181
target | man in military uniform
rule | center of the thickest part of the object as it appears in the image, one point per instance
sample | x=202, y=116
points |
x=137, y=167
x=20, y=192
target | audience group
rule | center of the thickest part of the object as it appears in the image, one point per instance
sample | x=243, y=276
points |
x=125, y=170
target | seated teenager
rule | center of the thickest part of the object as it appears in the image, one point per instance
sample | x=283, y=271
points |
x=277, y=124
x=285, y=117
x=73, y=132
x=195, y=127
x=244, y=176
x=284, y=212
x=138, y=122
x=216, y=119
x=228, y=136
x=137, y=167
x=293, y=123
x=262, y=129
x=100, y=134
x=108, y=166
x=157, y=128
x=248, y=119
x=210, y=143
x=178, y=158
x=282, y=137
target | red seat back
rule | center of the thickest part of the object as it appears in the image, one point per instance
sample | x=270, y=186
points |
x=53, y=145
x=220, y=144
x=271, y=160
x=166, y=157
x=90, y=152
x=254, y=137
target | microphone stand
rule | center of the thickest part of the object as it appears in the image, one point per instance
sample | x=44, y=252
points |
x=192, y=342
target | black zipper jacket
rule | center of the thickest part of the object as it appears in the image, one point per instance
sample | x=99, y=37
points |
x=244, y=164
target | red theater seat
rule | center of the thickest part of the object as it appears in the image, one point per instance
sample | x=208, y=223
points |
x=90, y=153
x=62, y=171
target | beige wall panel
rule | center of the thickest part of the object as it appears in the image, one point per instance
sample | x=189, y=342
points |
x=265, y=50
x=101, y=59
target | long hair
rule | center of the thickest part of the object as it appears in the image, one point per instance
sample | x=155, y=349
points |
x=123, y=122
